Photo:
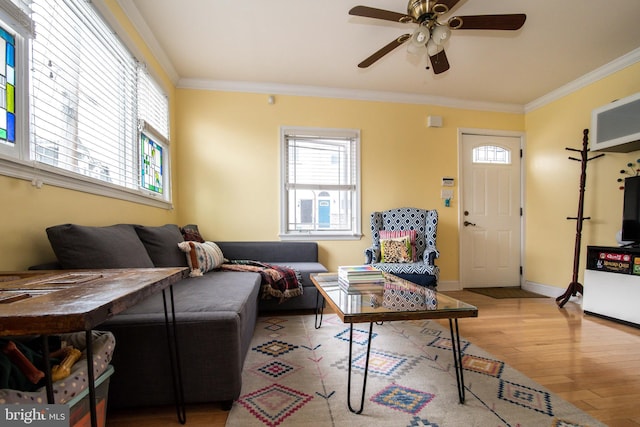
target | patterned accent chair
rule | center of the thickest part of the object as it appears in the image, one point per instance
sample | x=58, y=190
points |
x=424, y=271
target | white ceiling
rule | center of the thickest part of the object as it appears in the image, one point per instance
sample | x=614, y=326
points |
x=315, y=46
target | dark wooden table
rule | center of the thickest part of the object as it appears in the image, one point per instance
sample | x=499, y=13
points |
x=53, y=302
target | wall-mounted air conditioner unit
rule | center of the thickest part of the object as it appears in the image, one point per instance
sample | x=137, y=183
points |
x=616, y=126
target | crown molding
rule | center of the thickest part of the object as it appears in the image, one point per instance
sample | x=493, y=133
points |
x=352, y=94
x=589, y=78
x=132, y=12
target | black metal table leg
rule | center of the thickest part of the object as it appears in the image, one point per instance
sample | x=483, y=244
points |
x=319, y=309
x=47, y=369
x=88, y=342
x=90, y=374
x=366, y=369
x=174, y=356
x=457, y=357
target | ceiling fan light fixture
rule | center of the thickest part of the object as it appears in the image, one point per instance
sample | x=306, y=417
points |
x=433, y=48
x=440, y=34
x=419, y=39
x=431, y=34
x=420, y=36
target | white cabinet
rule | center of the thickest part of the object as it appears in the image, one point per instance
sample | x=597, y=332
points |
x=612, y=295
x=611, y=288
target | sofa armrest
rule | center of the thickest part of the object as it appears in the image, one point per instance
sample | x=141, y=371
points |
x=371, y=255
x=430, y=255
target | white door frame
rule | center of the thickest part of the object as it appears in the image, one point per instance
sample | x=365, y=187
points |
x=490, y=132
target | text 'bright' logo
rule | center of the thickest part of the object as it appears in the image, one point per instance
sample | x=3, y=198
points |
x=36, y=415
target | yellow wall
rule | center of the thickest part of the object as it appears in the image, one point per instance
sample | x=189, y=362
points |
x=26, y=211
x=552, y=181
x=229, y=162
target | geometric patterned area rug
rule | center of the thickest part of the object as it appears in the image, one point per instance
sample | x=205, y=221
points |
x=296, y=375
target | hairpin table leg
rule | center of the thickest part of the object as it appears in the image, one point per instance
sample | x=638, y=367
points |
x=366, y=369
x=174, y=356
x=47, y=369
x=457, y=357
x=319, y=309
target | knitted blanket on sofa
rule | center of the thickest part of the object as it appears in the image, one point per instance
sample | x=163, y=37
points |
x=277, y=281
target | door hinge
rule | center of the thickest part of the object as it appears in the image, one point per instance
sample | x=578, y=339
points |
x=521, y=270
x=520, y=211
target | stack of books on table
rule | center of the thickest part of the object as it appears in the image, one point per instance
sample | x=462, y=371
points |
x=360, y=278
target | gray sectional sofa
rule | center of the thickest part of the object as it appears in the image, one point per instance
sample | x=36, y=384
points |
x=216, y=313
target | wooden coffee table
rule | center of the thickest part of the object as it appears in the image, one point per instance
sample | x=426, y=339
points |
x=397, y=299
x=52, y=302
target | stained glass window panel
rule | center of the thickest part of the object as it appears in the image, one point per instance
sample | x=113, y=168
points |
x=7, y=87
x=151, y=169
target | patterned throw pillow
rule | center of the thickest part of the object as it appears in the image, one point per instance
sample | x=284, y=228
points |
x=396, y=250
x=202, y=257
x=190, y=232
x=389, y=234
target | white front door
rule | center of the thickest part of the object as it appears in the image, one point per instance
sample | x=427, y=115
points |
x=490, y=229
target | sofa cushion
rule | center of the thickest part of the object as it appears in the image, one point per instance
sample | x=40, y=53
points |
x=162, y=244
x=201, y=257
x=114, y=246
x=305, y=269
x=270, y=251
x=191, y=232
x=216, y=291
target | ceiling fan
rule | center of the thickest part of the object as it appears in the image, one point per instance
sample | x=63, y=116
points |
x=430, y=33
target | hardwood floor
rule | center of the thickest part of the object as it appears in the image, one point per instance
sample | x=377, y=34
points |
x=591, y=362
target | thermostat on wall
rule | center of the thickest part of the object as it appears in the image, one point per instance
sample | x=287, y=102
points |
x=447, y=182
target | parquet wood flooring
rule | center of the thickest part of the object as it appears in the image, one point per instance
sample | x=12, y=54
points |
x=591, y=362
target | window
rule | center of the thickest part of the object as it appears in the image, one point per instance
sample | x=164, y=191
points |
x=320, y=183
x=98, y=122
x=491, y=154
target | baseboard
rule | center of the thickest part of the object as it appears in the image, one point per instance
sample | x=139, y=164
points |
x=451, y=285
x=547, y=290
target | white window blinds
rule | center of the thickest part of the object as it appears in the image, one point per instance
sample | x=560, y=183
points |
x=84, y=94
x=152, y=104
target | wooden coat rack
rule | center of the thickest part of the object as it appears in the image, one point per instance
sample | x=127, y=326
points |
x=575, y=286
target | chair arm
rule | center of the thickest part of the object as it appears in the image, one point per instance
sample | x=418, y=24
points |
x=430, y=255
x=371, y=255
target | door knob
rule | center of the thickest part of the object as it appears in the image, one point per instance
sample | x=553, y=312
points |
x=467, y=223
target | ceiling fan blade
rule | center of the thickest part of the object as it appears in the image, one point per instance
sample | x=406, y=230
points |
x=444, y=6
x=386, y=49
x=513, y=21
x=439, y=62
x=372, y=12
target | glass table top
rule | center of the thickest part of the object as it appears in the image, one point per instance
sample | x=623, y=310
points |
x=396, y=298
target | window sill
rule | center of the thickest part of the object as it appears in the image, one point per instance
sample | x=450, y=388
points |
x=40, y=177
x=320, y=236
